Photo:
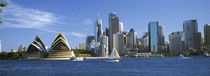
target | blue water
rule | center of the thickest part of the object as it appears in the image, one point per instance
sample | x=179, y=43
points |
x=174, y=66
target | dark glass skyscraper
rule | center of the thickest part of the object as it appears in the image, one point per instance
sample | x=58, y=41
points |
x=114, y=27
x=153, y=36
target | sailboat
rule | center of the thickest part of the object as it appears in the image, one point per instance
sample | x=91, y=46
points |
x=114, y=57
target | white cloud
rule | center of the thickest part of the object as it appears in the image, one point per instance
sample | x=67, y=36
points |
x=88, y=22
x=77, y=34
x=15, y=16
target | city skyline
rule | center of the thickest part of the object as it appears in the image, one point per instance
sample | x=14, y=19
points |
x=17, y=32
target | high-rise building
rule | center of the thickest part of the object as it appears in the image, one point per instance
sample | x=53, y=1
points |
x=89, y=39
x=161, y=35
x=131, y=39
x=103, y=48
x=106, y=32
x=21, y=48
x=175, y=42
x=207, y=35
x=114, y=27
x=144, y=42
x=153, y=36
x=98, y=29
x=189, y=28
x=121, y=27
x=197, y=40
x=118, y=42
x=82, y=46
x=0, y=45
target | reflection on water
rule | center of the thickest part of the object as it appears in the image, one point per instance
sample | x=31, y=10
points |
x=175, y=66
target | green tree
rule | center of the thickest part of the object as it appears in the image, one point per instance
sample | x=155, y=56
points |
x=2, y=4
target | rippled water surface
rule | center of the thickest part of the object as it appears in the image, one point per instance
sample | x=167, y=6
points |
x=174, y=66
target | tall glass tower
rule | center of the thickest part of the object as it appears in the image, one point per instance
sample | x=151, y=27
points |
x=114, y=27
x=190, y=27
x=153, y=36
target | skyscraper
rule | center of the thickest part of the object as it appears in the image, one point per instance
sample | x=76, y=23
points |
x=103, y=52
x=114, y=27
x=175, y=42
x=89, y=39
x=121, y=27
x=98, y=29
x=118, y=42
x=207, y=35
x=197, y=40
x=161, y=35
x=153, y=36
x=131, y=39
x=189, y=28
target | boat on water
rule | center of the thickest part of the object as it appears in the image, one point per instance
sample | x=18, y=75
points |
x=114, y=57
x=78, y=59
x=180, y=55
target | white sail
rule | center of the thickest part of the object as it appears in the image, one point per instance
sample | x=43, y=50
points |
x=114, y=54
x=72, y=53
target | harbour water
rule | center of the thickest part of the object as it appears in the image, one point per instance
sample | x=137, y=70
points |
x=168, y=66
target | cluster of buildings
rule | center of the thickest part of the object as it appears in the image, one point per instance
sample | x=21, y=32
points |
x=125, y=42
x=112, y=37
x=153, y=41
x=189, y=38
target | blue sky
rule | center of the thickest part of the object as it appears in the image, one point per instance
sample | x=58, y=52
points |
x=24, y=19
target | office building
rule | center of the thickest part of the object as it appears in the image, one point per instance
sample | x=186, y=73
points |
x=161, y=35
x=131, y=39
x=175, y=42
x=153, y=36
x=82, y=46
x=98, y=29
x=189, y=28
x=197, y=40
x=114, y=27
x=121, y=27
x=103, y=48
x=89, y=39
x=21, y=48
x=118, y=43
x=207, y=36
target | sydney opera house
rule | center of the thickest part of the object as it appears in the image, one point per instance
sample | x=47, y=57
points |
x=59, y=50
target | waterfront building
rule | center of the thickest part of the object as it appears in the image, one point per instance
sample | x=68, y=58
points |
x=60, y=48
x=98, y=29
x=121, y=27
x=153, y=36
x=36, y=50
x=75, y=47
x=13, y=50
x=197, y=40
x=131, y=39
x=22, y=48
x=106, y=32
x=82, y=46
x=89, y=39
x=161, y=35
x=103, y=48
x=144, y=42
x=175, y=42
x=189, y=28
x=118, y=43
x=207, y=36
x=114, y=27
